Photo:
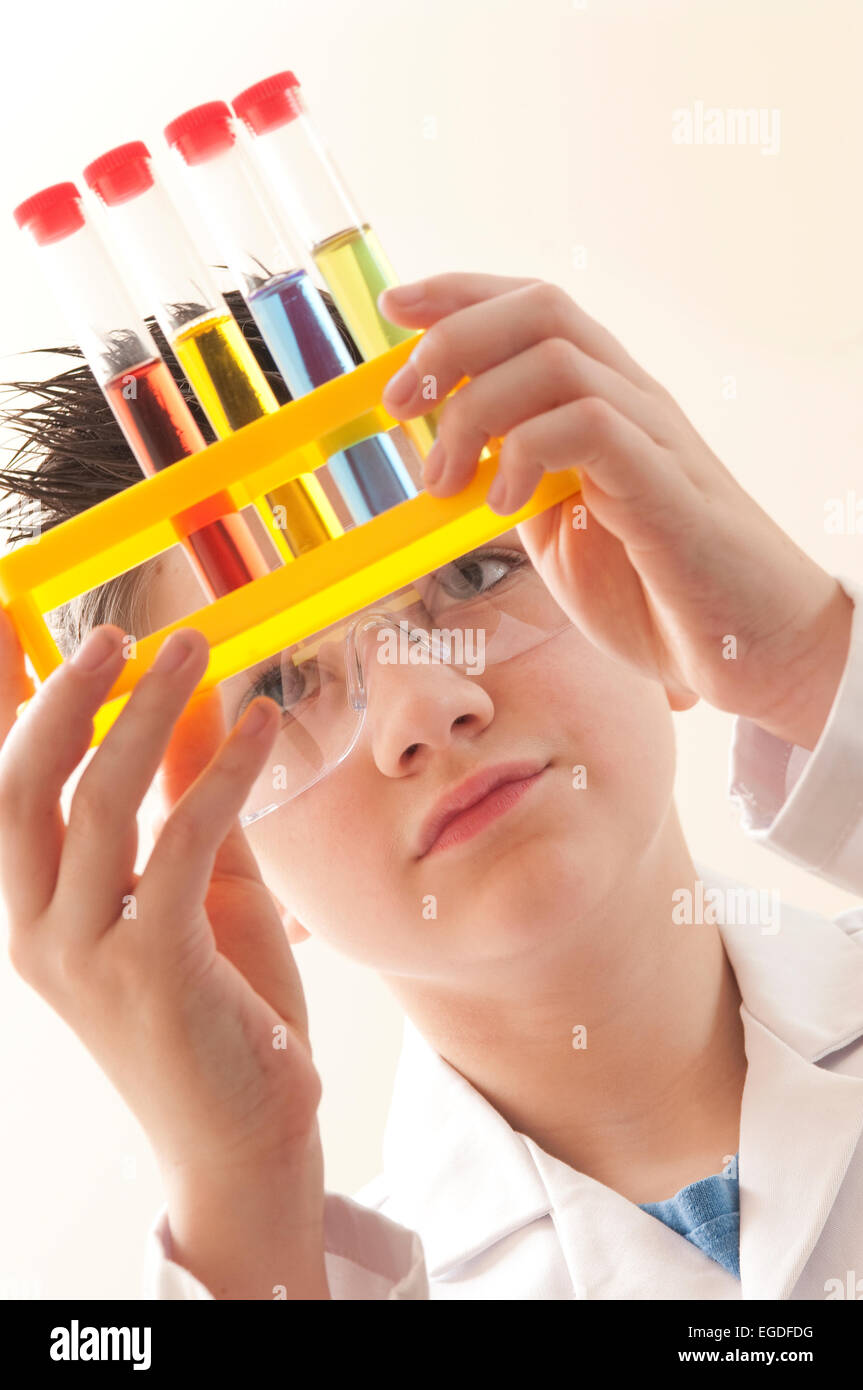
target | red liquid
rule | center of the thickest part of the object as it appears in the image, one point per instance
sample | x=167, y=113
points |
x=160, y=430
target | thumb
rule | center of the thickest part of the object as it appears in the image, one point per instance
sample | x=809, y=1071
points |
x=244, y=914
x=197, y=736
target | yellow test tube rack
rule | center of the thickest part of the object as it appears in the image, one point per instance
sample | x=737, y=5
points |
x=301, y=596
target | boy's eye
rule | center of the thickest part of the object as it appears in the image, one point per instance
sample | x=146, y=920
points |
x=286, y=683
x=466, y=578
x=479, y=572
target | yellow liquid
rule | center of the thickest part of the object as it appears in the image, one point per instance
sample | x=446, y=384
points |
x=355, y=269
x=226, y=378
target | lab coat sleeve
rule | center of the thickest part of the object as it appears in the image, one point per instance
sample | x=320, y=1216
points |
x=368, y=1256
x=808, y=806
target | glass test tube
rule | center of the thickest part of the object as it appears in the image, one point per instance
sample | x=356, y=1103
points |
x=324, y=215
x=136, y=381
x=204, y=336
x=290, y=312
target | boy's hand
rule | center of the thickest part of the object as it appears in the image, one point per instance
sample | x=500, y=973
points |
x=180, y=981
x=677, y=569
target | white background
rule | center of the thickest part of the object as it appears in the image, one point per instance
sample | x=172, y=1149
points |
x=476, y=135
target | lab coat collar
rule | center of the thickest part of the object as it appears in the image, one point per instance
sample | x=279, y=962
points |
x=461, y=1176
x=456, y=1171
x=802, y=992
x=803, y=982
x=799, y=1127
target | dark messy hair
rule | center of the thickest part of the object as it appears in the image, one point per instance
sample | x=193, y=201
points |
x=73, y=454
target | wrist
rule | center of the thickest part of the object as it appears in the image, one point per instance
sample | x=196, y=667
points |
x=252, y=1231
x=812, y=680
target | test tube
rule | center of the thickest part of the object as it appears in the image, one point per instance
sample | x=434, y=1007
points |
x=136, y=381
x=291, y=314
x=204, y=336
x=325, y=216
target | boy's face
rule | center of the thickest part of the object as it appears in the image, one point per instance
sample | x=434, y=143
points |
x=344, y=856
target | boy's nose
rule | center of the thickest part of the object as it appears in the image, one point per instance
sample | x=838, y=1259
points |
x=418, y=699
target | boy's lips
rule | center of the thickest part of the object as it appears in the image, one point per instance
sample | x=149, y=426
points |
x=469, y=793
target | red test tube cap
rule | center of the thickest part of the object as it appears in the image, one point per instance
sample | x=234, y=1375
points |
x=271, y=103
x=121, y=173
x=51, y=214
x=202, y=132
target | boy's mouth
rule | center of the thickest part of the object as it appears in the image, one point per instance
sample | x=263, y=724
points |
x=466, y=809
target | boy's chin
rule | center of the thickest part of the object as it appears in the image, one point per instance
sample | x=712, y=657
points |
x=532, y=891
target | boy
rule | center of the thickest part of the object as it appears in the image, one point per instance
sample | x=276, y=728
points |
x=517, y=1164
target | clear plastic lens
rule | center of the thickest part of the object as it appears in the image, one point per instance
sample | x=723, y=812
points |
x=482, y=608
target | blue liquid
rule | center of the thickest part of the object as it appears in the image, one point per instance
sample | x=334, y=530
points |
x=308, y=350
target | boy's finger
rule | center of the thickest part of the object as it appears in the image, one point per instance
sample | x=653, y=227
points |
x=422, y=302
x=514, y=397
x=183, y=872
x=101, y=839
x=177, y=878
x=39, y=755
x=198, y=735
x=545, y=308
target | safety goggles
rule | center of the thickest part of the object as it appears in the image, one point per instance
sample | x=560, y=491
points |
x=482, y=608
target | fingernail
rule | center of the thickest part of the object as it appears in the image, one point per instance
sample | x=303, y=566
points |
x=173, y=653
x=434, y=464
x=255, y=719
x=407, y=294
x=95, y=650
x=401, y=387
x=496, y=495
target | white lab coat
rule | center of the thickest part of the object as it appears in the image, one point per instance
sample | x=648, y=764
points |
x=468, y=1208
